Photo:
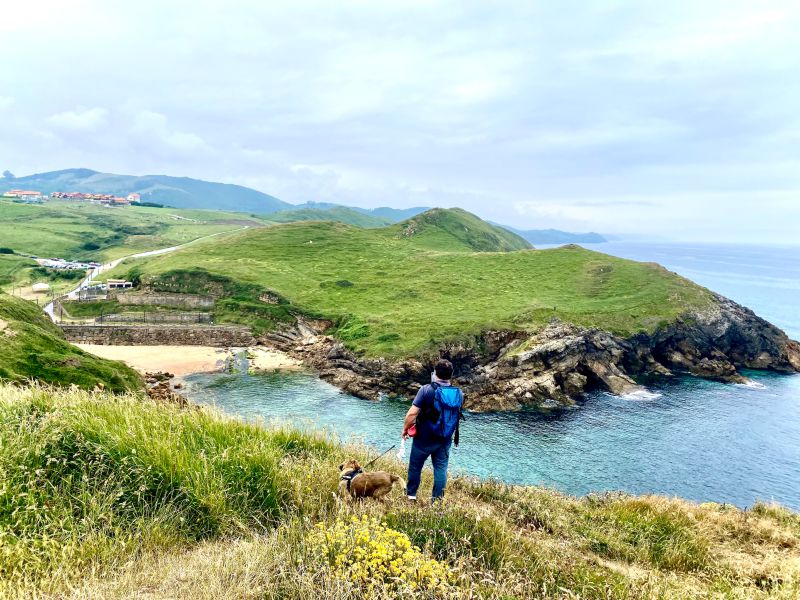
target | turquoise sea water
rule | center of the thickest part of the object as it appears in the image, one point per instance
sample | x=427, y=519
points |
x=696, y=439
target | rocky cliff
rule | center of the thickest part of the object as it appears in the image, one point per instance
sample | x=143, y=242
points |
x=505, y=370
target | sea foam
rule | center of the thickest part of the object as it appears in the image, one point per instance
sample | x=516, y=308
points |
x=641, y=396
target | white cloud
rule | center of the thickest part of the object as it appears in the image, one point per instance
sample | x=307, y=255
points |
x=80, y=120
x=537, y=112
x=152, y=129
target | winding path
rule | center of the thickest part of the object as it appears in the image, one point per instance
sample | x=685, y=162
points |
x=48, y=309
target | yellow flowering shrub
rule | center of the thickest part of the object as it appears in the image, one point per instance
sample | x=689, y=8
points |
x=368, y=553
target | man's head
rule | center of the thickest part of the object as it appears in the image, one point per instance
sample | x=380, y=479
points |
x=444, y=369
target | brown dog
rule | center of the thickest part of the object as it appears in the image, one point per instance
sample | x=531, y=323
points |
x=355, y=483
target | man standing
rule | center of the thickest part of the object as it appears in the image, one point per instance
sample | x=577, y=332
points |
x=435, y=414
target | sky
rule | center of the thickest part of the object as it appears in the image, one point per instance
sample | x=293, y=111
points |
x=670, y=120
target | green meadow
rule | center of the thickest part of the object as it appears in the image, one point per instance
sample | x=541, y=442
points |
x=82, y=231
x=78, y=230
x=405, y=289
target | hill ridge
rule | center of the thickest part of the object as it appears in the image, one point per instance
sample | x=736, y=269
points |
x=438, y=226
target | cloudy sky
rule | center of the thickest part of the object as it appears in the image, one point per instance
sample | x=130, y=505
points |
x=676, y=119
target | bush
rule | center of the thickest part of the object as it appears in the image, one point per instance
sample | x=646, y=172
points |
x=6, y=251
x=367, y=553
x=57, y=274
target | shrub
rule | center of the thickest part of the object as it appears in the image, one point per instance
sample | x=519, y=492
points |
x=370, y=554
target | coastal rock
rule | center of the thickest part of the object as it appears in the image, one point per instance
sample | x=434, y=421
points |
x=506, y=370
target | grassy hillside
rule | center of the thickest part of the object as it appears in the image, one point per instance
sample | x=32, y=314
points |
x=31, y=347
x=122, y=497
x=342, y=214
x=76, y=230
x=396, y=295
x=180, y=192
x=12, y=268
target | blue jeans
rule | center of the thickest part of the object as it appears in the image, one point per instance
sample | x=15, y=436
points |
x=440, y=455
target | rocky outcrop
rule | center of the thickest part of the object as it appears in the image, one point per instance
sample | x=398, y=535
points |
x=560, y=362
x=160, y=389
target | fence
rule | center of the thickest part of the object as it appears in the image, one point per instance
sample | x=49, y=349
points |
x=155, y=317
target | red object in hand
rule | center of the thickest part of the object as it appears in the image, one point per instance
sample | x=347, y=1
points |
x=412, y=431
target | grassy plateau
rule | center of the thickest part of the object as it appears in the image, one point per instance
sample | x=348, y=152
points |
x=33, y=348
x=88, y=232
x=122, y=497
x=79, y=230
x=403, y=290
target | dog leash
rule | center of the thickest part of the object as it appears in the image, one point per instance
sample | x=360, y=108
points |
x=377, y=457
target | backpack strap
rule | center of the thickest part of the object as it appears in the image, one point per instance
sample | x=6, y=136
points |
x=458, y=427
x=426, y=413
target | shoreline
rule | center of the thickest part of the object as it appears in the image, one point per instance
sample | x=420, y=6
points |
x=189, y=360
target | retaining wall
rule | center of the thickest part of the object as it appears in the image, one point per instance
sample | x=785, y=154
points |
x=162, y=335
x=163, y=299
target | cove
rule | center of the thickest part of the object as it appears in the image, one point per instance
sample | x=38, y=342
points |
x=697, y=439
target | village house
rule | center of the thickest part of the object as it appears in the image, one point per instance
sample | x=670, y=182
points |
x=26, y=195
x=117, y=284
x=134, y=197
x=104, y=199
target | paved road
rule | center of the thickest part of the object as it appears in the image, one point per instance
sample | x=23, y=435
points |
x=48, y=309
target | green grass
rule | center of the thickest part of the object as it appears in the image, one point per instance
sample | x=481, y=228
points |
x=32, y=347
x=396, y=295
x=13, y=268
x=82, y=231
x=116, y=496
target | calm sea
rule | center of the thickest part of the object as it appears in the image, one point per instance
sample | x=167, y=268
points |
x=697, y=439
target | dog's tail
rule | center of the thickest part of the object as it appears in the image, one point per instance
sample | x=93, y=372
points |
x=398, y=479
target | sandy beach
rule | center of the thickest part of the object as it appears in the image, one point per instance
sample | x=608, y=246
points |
x=179, y=360
x=185, y=360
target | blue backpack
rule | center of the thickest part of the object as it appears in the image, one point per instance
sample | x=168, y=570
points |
x=447, y=402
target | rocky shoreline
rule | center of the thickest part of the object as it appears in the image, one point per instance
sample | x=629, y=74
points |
x=507, y=370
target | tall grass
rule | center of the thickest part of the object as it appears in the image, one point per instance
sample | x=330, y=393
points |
x=113, y=496
x=87, y=477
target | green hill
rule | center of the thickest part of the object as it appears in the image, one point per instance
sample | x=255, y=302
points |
x=31, y=347
x=446, y=229
x=404, y=290
x=178, y=192
x=341, y=214
x=122, y=497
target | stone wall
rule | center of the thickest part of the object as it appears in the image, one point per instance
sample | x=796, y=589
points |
x=162, y=335
x=156, y=317
x=162, y=299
